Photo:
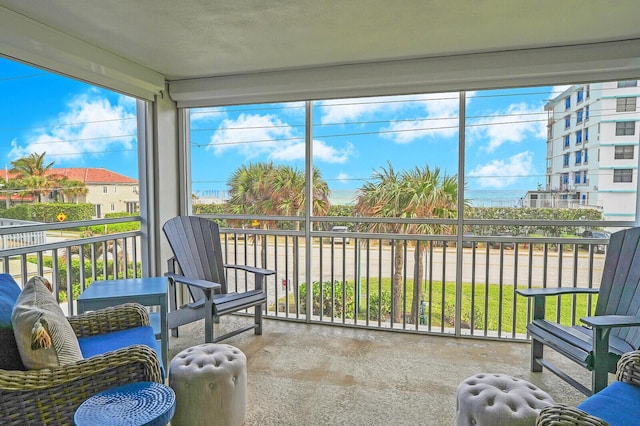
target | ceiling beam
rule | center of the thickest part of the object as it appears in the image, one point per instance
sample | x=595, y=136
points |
x=517, y=68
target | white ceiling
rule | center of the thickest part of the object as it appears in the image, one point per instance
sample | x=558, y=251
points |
x=184, y=39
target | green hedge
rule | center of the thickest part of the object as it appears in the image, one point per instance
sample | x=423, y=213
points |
x=524, y=213
x=48, y=212
x=115, y=227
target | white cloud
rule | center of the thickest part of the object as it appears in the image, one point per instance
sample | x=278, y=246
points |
x=440, y=120
x=349, y=110
x=516, y=124
x=343, y=177
x=558, y=90
x=321, y=152
x=501, y=173
x=90, y=127
x=437, y=114
x=205, y=115
x=408, y=131
x=252, y=135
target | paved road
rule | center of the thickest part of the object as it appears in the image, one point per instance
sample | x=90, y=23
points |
x=341, y=263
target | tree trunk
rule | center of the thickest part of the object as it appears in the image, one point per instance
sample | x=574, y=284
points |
x=418, y=275
x=397, y=282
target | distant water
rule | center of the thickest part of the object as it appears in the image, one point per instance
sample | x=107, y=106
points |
x=476, y=197
x=495, y=198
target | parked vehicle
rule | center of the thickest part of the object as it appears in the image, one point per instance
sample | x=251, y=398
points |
x=597, y=248
x=496, y=244
x=469, y=244
x=340, y=240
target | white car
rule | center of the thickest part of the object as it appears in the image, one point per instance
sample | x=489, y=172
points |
x=339, y=240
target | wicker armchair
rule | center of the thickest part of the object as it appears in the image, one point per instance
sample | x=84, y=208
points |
x=51, y=396
x=628, y=371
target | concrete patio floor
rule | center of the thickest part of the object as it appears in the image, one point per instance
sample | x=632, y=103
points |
x=300, y=374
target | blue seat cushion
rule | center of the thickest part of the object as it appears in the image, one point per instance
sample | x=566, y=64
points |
x=9, y=292
x=101, y=343
x=9, y=355
x=618, y=404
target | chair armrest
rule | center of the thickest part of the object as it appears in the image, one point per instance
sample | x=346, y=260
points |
x=628, y=370
x=562, y=414
x=532, y=292
x=259, y=273
x=540, y=295
x=252, y=269
x=203, y=284
x=114, y=318
x=611, y=321
x=41, y=394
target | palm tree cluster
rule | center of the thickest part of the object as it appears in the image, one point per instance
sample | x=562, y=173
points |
x=415, y=193
x=33, y=176
x=268, y=189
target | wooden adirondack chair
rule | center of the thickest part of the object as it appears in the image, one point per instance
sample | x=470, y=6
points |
x=612, y=331
x=195, y=243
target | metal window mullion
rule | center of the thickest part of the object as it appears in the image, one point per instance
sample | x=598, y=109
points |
x=429, y=316
x=443, y=289
x=500, y=289
x=473, y=289
x=486, y=291
x=462, y=113
x=380, y=283
x=308, y=210
x=514, y=310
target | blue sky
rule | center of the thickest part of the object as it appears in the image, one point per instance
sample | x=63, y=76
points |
x=79, y=125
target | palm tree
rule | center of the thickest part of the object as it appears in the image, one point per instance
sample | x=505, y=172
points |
x=72, y=189
x=249, y=193
x=34, y=174
x=287, y=186
x=432, y=196
x=417, y=193
x=266, y=189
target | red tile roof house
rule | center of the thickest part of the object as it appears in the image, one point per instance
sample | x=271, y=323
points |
x=108, y=191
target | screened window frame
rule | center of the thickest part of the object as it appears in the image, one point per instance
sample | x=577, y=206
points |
x=626, y=104
x=622, y=175
x=625, y=128
x=622, y=152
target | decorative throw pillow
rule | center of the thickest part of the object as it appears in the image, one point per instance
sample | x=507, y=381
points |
x=44, y=336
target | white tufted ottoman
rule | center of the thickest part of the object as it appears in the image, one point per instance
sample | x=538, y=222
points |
x=498, y=399
x=210, y=383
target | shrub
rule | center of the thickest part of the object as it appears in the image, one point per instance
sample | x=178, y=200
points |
x=333, y=295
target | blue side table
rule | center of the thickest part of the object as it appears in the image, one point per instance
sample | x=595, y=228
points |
x=150, y=291
x=135, y=404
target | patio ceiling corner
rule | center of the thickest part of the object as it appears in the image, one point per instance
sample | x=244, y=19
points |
x=29, y=41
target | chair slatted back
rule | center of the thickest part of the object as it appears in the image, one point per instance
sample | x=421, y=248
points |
x=195, y=243
x=620, y=286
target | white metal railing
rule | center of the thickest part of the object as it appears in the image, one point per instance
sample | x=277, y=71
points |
x=352, y=283
x=71, y=258
x=20, y=239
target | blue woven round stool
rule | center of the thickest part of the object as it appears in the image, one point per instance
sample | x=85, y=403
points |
x=141, y=403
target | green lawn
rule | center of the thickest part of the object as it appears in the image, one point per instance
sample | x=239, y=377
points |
x=484, y=295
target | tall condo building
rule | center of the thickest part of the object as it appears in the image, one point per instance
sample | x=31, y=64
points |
x=592, y=149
